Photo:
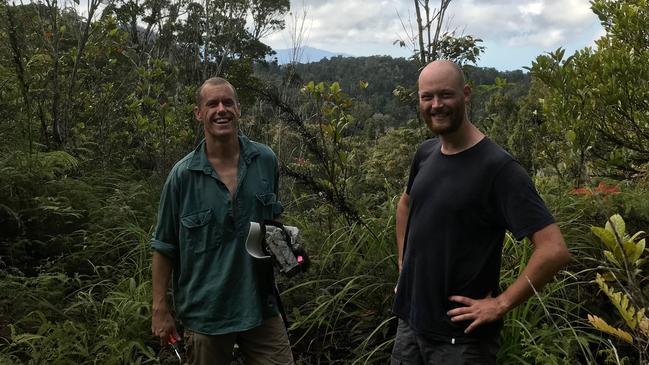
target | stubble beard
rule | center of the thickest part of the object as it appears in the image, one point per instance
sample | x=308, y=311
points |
x=453, y=124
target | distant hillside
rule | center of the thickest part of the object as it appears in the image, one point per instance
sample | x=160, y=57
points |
x=307, y=55
x=383, y=74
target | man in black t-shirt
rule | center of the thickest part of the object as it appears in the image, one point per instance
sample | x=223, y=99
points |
x=463, y=193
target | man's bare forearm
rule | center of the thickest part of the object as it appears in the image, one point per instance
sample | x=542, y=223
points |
x=403, y=207
x=162, y=322
x=161, y=275
x=549, y=256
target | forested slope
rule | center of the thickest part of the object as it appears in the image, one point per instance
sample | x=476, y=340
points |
x=94, y=112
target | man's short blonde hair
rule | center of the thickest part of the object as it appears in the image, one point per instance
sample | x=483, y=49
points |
x=215, y=81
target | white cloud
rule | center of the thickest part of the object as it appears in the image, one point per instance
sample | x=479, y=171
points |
x=535, y=8
x=361, y=27
x=549, y=38
x=540, y=22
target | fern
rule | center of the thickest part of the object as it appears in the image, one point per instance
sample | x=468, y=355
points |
x=601, y=325
x=625, y=255
x=630, y=315
x=58, y=160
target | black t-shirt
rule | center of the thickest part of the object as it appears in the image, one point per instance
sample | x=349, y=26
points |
x=460, y=207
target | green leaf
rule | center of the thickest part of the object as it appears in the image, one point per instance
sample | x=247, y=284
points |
x=616, y=225
x=607, y=237
x=612, y=258
x=637, y=235
x=363, y=84
x=335, y=87
x=638, y=251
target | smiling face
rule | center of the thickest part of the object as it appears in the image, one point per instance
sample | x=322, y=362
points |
x=219, y=111
x=443, y=97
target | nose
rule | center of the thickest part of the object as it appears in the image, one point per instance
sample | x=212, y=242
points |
x=220, y=108
x=436, y=102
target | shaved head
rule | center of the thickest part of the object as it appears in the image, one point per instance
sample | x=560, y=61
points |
x=452, y=69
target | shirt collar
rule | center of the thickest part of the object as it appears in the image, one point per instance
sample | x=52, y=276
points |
x=248, y=151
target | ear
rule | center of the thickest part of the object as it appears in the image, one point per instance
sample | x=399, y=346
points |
x=197, y=113
x=467, y=93
x=238, y=110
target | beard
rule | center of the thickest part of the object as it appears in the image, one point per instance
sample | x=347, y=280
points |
x=451, y=122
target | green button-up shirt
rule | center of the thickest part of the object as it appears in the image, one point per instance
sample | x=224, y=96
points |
x=218, y=288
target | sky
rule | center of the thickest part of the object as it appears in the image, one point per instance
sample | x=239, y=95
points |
x=514, y=32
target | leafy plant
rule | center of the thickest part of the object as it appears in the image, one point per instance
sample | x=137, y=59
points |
x=623, y=283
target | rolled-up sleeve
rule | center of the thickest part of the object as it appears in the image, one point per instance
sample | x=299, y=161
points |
x=165, y=237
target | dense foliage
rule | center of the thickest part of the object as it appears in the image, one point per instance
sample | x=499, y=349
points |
x=95, y=109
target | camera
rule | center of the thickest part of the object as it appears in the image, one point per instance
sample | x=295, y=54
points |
x=273, y=240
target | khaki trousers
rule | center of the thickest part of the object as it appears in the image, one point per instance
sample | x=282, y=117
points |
x=263, y=345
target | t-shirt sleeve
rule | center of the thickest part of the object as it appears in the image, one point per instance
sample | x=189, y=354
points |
x=165, y=236
x=518, y=202
x=414, y=169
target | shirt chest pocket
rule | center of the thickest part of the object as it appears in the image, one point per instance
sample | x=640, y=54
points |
x=199, y=230
x=268, y=205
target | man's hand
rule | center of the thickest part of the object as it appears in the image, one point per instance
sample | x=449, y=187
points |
x=163, y=325
x=479, y=311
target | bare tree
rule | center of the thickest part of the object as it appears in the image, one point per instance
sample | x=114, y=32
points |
x=430, y=42
x=298, y=33
x=93, y=5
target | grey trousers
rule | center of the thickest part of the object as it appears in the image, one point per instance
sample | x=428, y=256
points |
x=411, y=349
x=263, y=345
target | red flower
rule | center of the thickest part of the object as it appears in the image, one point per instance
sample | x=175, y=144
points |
x=602, y=188
x=581, y=191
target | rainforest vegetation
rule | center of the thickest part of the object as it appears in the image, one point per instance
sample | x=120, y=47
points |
x=96, y=106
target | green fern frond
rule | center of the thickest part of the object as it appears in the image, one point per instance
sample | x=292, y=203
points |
x=601, y=325
x=621, y=302
x=59, y=160
x=644, y=327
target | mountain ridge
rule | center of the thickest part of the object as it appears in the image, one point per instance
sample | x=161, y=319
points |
x=307, y=55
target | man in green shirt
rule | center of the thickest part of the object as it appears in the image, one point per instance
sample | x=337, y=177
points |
x=221, y=295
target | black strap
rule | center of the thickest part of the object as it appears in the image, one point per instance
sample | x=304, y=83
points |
x=280, y=306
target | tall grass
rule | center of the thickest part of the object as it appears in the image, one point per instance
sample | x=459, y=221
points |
x=86, y=299
x=104, y=321
x=340, y=310
x=549, y=328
